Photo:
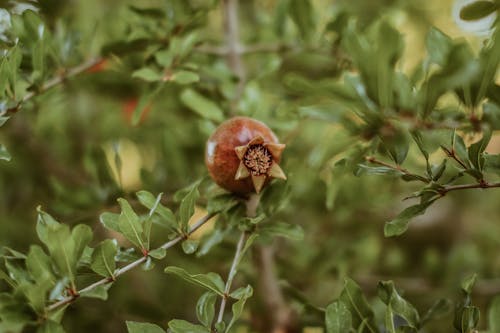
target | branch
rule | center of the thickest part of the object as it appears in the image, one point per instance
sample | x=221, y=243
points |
x=246, y=49
x=231, y=274
x=57, y=80
x=483, y=185
x=132, y=265
x=231, y=33
x=398, y=168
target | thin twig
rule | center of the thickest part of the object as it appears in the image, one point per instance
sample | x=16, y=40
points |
x=483, y=185
x=132, y=265
x=246, y=49
x=232, y=274
x=398, y=168
x=57, y=80
x=231, y=32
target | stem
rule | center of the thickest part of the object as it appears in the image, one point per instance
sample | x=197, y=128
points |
x=57, y=80
x=231, y=32
x=251, y=211
x=132, y=265
x=482, y=185
x=231, y=274
x=398, y=168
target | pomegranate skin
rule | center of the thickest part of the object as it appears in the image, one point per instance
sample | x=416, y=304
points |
x=220, y=156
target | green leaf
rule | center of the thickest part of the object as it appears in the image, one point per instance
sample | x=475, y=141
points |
x=201, y=105
x=438, y=46
x=186, y=209
x=136, y=327
x=111, y=221
x=100, y=292
x=159, y=253
x=301, y=12
x=281, y=229
x=182, y=326
x=362, y=314
x=4, y=154
x=399, y=225
x=476, y=150
x=239, y=305
x=477, y=10
x=221, y=203
x=62, y=250
x=185, y=77
x=3, y=119
x=468, y=284
x=130, y=224
x=149, y=201
x=470, y=318
x=39, y=265
x=50, y=326
x=205, y=308
x=210, y=281
x=82, y=235
x=437, y=310
x=44, y=221
x=103, y=258
x=148, y=74
x=401, y=307
x=494, y=315
x=190, y=246
x=338, y=319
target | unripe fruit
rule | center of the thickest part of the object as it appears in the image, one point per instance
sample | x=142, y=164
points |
x=243, y=154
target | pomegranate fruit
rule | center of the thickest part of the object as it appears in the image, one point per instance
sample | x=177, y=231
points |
x=243, y=154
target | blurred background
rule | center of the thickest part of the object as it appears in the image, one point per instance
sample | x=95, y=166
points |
x=75, y=151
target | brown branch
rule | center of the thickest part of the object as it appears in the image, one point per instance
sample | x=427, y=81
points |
x=132, y=265
x=57, y=80
x=398, y=168
x=482, y=185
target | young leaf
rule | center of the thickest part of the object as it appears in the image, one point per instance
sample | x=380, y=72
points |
x=478, y=9
x=186, y=209
x=82, y=235
x=148, y=74
x=103, y=258
x=239, y=305
x=158, y=253
x=291, y=231
x=111, y=221
x=438, y=309
x=136, y=327
x=62, y=250
x=44, y=221
x=190, y=246
x=399, y=225
x=210, y=281
x=185, y=77
x=205, y=308
x=476, y=151
x=100, y=292
x=39, y=265
x=201, y=105
x=362, y=314
x=149, y=201
x=182, y=326
x=130, y=225
x=338, y=319
x=4, y=154
x=50, y=326
x=438, y=46
x=398, y=305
